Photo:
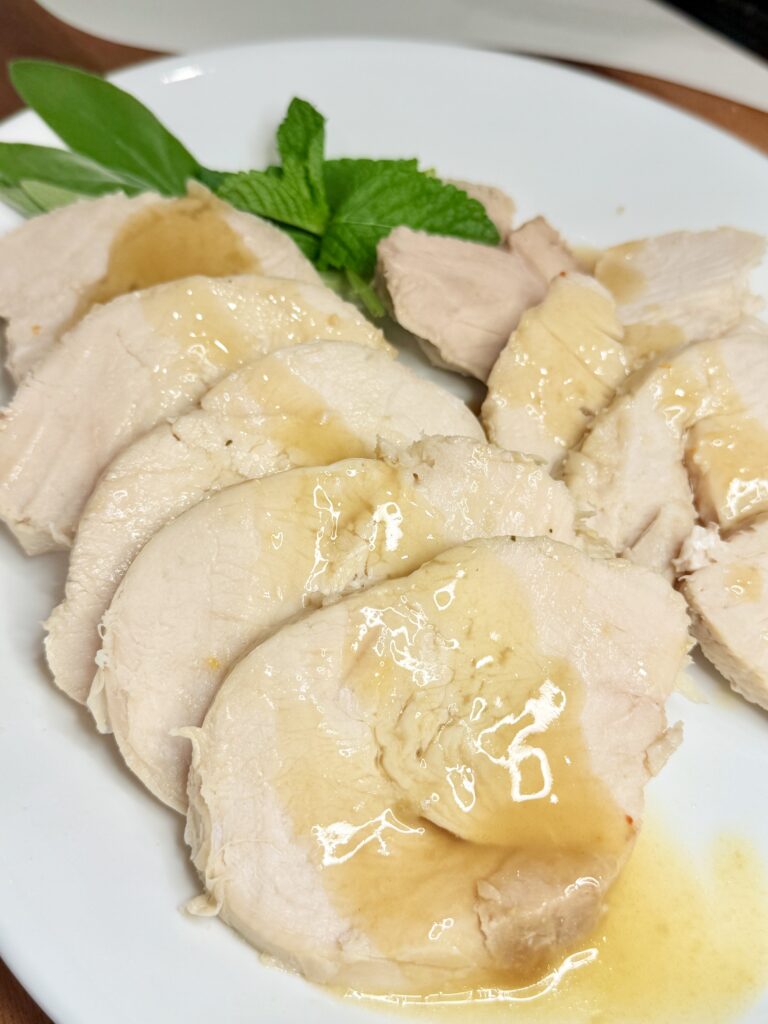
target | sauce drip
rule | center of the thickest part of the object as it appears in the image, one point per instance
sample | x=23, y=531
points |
x=726, y=447
x=480, y=771
x=684, y=939
x=616, y=270
x=170, y=240
x=297, y=419
x=744, y=583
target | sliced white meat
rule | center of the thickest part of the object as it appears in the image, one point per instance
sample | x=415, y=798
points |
x=303, y=406
x=561, y=366
x=539, y=243
x=681, y=287
x=226, y=573
x=460, y=299
x=141, y=359
x=498, y=205
x=56, y=266
x=687, y=439
x=430, y=786
x=726, y=585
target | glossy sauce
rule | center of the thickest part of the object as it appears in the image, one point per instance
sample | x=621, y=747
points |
x=480, y=766
x=726, y=447
x=298, y=421
x=684, y=940
x=616, y=270
x=170, y=240
x=563, y=361
x=744, y=583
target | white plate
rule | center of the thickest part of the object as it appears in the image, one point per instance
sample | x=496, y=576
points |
x=92, y=870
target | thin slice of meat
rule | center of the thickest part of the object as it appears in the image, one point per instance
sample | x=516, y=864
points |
x=302, y=406
x=681, y=287
x=226, y=573
x=726, y=585
x=430, y=786
x=498, y=205
x=56, y=266
x=141, y=359
x=460, y=299
x=687, y=439
x=559, y=368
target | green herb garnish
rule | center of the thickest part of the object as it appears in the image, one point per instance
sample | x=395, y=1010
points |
x=336, y=211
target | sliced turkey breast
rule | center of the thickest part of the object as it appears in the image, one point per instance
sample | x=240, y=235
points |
x=140, y=359
x=684, y=286
x=462, y=299
x=688, y=437
x=56, y=266
x=226, y=573
x=303, y=406
x=560, y=367
x=726, y=586
x=539, y=243
x=430, y=786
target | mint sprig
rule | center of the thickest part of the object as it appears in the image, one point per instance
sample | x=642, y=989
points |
x=337, y=211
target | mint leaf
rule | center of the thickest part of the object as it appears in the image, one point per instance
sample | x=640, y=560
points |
x=309, y=244
x=273, y=197
x=343, y=176
x=301, y=145
x=293, y=194
x=396, y=197
x=100, y=121
x=19, y=162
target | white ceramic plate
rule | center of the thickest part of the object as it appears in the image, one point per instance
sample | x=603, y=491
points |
x=92, y=870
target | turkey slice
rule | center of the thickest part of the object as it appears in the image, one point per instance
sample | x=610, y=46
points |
x=302, y=406
x=726, y=586
x=227, y=572
x=687, y=438
x=141, y=359
x=681, y=287
x=561, y=365
x=55, y=267
x=430, y=786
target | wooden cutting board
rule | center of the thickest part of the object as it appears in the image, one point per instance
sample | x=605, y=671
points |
x=30, y=31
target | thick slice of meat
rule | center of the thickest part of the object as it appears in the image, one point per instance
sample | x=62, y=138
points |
x=726, y=586
x=430, y=786
x=681, y=287
x=688, y=438
x=303, y=406
x=461, y=299
x=132, y=363
x=227, y=572
x=56, y=266
x=559, y=368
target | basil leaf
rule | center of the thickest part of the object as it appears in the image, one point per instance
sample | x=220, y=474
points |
x=100, y=121
x=396, y=197
x=14, y=196
x=47, y=196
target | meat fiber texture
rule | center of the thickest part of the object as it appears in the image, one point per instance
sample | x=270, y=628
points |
x=301, y=406
x=55, y=266
x=462, y=299
x=725, y=582
x=436, y=781
x=229, y=571
x=141, y=359
x=686, y=439
x=560, y=367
